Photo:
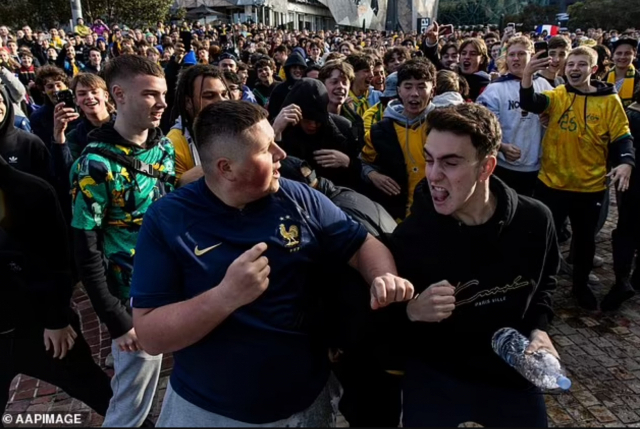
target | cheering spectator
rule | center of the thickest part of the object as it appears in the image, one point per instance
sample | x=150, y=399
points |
x=624, y=75
x=393, y=156
x=266, y=84
x=520, y=150
x=587, y=124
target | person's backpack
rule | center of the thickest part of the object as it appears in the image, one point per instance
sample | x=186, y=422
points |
x=134, y=164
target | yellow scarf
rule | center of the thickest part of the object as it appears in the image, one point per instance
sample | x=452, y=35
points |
x=626, y=91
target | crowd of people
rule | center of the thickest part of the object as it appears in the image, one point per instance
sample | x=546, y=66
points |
x=309, y=221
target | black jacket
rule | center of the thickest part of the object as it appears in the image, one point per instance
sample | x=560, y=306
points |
x=391, y=162
x=35, y=275
x=22, y=150
x=281, y=91
x=633, y=113
x=335, y=133
x=377, y=221
x=503, y=272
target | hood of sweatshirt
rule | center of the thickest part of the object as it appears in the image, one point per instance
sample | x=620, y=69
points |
x=295, y=59
x=602, y=89
x=395, y=111
x=449, y=98
x=108, y=134
x=300, y=51
x=312, y=97
x=6, y=125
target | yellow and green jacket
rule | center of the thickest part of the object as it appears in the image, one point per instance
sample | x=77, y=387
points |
x=372, y=116
x=583, y=129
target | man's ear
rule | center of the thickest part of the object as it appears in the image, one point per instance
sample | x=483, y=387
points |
x=488, y=166
x=224, y=168
x=118, y=94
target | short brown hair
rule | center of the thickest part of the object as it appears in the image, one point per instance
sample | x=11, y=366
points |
x=450, y=81
x=328, y=68
x=128, y=67
x=219, y=128
x=50, y=72
x=400, y=51
x=360, y=62
x=264, y=62
x=335, y=56
x=559, y=42
x=469, y=119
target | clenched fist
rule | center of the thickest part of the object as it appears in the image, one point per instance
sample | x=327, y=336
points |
x=435, y=304
x=388, y=289
x=247, y=277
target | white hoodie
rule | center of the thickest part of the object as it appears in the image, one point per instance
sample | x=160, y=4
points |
x=519, y=127
x=449, y=98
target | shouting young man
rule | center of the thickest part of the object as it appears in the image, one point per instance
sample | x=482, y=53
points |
x=489, y=263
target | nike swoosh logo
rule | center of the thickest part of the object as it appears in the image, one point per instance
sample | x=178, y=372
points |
x=199, y=252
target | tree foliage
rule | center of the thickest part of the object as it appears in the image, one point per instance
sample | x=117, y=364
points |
x=533, y=15
x=47, y=13
x=474, y=12
x=605, y=14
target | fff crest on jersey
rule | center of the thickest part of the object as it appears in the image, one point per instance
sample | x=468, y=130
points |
x=289, y=232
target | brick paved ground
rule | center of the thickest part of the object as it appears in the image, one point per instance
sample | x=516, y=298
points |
x=601, y=353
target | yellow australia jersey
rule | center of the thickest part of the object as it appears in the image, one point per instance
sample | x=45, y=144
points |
x=576, y=145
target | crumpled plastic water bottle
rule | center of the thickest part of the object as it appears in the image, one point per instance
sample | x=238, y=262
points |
x=541, y=368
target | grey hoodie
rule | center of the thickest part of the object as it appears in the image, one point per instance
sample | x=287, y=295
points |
x=395, y=111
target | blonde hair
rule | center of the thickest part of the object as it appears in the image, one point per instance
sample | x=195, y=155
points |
x=518, y=40
x=587, y=52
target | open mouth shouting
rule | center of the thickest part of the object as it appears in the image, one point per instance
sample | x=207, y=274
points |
x=439, y=195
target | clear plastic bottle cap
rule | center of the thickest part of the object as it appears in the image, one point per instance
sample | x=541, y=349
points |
x=563, y=382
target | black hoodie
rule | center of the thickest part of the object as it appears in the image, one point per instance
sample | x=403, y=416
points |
x=35, y=276
x=503, y=272
x=22, y=150
x=281, y=91
x=334, y=133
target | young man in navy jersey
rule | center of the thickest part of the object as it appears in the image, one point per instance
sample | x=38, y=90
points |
x=224, y=280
